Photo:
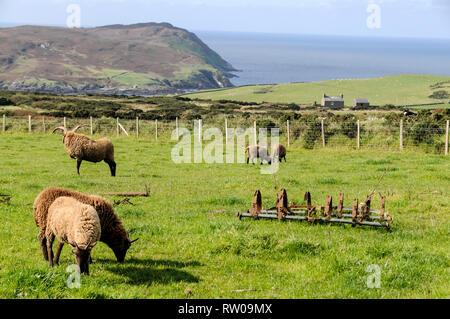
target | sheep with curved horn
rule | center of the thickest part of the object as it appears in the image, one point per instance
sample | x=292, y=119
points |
x=81, y=147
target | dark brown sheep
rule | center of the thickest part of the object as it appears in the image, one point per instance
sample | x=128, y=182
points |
x=81, y=147
x=112, y=231
x=279, y=151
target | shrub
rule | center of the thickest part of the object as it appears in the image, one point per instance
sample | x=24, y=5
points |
x=440, y=94
x=265, y=123
x=349, y=127
x=312, y=133
x=5, y=101
x=424, y=132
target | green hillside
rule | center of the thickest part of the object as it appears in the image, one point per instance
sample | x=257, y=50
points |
x=395, y=89
x=141, y=59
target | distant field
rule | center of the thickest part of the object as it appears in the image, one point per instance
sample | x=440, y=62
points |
x=183, y=245
x=396, y=89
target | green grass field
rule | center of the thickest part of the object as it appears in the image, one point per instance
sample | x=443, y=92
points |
x=397, y=89
x=184, y=246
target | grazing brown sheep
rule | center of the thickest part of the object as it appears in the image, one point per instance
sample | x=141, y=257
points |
x=81, y=147
x=279, y=151
x=112, y=231
x=73, y=223
x=256, y=151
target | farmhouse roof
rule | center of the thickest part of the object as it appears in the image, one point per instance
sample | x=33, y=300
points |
x=334, y=98
x=361, y=100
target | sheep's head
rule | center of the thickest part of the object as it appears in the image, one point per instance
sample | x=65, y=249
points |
x=82, y=256
x=120, y=250
x=65, y=131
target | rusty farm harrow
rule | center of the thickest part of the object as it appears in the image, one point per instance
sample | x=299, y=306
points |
x=355, y=215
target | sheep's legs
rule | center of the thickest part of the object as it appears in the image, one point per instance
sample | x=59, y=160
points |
x=49, y=249
x=58, y=252
x=43, y=242
x=78, y=166
x=112, y=166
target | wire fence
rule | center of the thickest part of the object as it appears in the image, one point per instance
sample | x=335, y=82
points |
x=430, y=137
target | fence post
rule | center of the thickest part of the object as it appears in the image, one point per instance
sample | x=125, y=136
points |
x=137, y=126
x=117, y=126
x=200, y=130
x=288, y=134
x=29, y=123
x=254, y=133
x=401, y=134
x=323, y=133
x=446, y=138
x=358, y=142
x=176, y=128
x=92, y=126
x=156, y=129
x=226, y=131
x=4, y=123
x=43, y=123
x=65, y=122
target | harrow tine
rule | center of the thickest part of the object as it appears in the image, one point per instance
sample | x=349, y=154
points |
x=340, y=206
x=382, y=208
x=282, y=204
x=308, y=199
x=256, y=208
x=354, y=212
x=329, y=207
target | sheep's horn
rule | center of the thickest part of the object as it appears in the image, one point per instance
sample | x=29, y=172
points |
x=61, y=128
x=133, y=240
x=78, y=126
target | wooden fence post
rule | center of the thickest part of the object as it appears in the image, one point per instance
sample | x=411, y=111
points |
x=43, y=123
x=156, y=129
x=446, y=138
x=29, y=123
x=255, y=140
x=92, y=126
x=137, y=126
x=288, y=134
x=200, y=130
x=65, y=122
x=358, y=142
x=117, y=126
x=401, y=134
x=323, y=133
x=4, y=123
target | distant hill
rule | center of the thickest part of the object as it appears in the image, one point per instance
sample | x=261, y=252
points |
x=144, y=58
x=395, y=89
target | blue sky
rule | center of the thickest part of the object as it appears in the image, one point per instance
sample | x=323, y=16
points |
x=398, y=18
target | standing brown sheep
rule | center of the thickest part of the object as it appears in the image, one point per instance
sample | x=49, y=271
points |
x=279, y=151
x=256, y=151
x=81, y=147
x=112, y=231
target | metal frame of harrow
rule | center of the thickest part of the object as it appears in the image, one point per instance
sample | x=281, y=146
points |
x=355, y=215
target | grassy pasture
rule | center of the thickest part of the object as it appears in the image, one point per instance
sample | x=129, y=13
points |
x=184, y=246
x=397, y=89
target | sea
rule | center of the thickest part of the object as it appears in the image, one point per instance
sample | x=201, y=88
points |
x=284, y=58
